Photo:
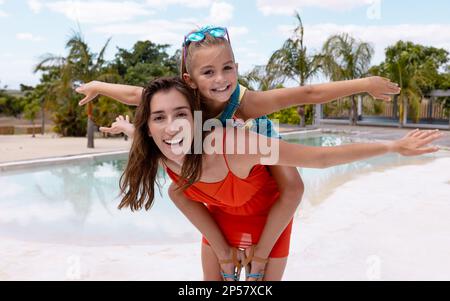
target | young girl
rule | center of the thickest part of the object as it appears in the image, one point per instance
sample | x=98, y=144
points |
x=209, y=68
x=211, y=177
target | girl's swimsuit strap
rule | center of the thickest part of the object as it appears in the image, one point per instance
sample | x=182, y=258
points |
x=224, y=148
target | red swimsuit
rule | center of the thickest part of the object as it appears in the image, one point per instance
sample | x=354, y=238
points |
x=240, y=206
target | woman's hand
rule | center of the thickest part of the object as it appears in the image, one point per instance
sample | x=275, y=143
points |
x=381, y=88
x=415, y=143
x=121, y=125
x=90, y=90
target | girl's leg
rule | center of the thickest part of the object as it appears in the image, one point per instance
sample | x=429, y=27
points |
x=210, y=264
x=212, y=268
x=275, y=269
x=291, y=191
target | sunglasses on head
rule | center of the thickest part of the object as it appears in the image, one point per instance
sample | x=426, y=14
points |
x=200, y=35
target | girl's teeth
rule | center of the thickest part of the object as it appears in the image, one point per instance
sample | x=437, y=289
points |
x=221, y=90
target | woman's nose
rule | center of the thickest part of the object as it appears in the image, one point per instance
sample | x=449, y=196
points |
x=172, y=128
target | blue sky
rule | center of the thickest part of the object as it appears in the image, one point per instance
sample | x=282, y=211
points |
x=29, y=29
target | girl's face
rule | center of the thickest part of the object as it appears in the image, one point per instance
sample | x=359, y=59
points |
x=171, y=124
x=213, y=72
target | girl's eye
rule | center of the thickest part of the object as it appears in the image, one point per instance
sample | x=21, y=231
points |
x=208, y=72
x=181, y=115
x=228, y=68
x=158, y=118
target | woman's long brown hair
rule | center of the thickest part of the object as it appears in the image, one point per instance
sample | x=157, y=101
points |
x=137, y=183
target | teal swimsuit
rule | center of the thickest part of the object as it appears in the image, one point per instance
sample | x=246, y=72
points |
x=261, y=125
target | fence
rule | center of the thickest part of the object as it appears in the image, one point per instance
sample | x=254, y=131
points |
x=430, y=111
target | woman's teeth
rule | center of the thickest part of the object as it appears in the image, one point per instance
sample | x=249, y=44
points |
x=173, y=141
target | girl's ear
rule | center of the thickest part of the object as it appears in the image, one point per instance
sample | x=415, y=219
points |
x=188, y=79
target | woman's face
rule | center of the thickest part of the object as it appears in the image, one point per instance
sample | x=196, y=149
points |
x=214, y=72
x=171, y=124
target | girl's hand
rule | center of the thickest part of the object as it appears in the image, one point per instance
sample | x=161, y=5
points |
x=415, y=143
x=89, y=90
x=381, y=88
x=121, y=125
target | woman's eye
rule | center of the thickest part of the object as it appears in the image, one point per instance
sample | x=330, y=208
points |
x=158, y=118
x=181, y=115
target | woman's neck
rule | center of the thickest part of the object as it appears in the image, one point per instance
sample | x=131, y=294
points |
x=174, y=165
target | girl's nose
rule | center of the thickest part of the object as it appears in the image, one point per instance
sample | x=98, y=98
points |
x=220, y=78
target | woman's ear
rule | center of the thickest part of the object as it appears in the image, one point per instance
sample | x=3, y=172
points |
x=188, y=79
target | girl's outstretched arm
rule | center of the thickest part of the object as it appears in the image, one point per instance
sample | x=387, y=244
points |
x=279, y=152
x=121, y=125
x=258, y=103
x=130, y=95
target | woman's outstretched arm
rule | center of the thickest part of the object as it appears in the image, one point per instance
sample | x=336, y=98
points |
x=279, y=152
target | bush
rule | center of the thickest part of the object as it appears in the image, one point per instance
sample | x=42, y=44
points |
x=287, y=116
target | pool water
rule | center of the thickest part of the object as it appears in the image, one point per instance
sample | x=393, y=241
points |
x=77, y=203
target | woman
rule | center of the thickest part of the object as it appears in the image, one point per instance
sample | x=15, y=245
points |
x=233, y=185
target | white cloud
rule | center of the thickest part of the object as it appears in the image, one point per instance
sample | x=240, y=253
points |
x=188, y=3
x=2, y=13
x=35, y=5
x=235, y=31
x=25, y=36
x=98, y=12
x=13, y=72
x=220, y=13
x=287, y=7
x=437, y=35
x=169, y=32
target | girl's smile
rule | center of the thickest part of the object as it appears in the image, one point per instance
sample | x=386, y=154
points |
x=214, y=73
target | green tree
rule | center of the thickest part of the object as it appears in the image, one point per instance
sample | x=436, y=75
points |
x=145, y=62
x=293, y=62
x=10, y=105
x=416, y=69
x=31, y=110
x=345, y=58
x=83, y=65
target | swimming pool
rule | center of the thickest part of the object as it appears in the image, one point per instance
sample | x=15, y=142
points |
x=74, y=207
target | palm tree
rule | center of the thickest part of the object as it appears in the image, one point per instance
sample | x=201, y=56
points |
x=261, y=78
x=80, y=64
x=292, y=62
x=345, y=58
x=416, y=69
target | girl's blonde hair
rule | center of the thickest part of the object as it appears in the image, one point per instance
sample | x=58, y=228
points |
x=208, y=41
